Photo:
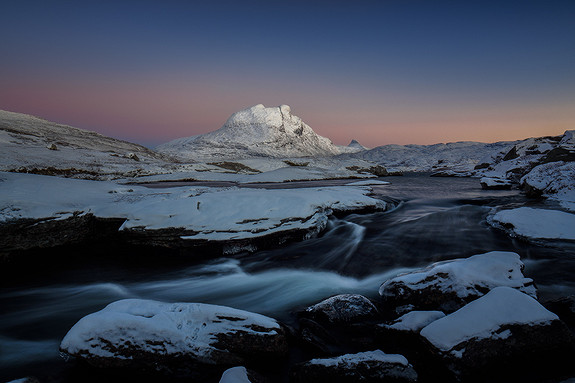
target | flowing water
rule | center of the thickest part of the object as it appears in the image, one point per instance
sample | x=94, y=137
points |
x=434, y=219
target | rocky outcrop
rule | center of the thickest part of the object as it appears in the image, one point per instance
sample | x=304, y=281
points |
x=371, y=366
x=449, y=285
x=144, y=334
x=498, y=330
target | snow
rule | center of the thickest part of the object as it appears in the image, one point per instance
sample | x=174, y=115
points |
x=468, y=276
x=457, y=156
x=160, y=328
x=208, y=213
x=255, y=131
x=556, y=180
x=235, y=375
x=483, y=318
x=350, y=360
x=415, y=320
x=32, y=143
x=536, y=223
x=492, y=182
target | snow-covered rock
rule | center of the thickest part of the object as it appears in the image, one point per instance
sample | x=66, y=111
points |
x=449, y=285
x=458, y=157
x=370, y=366
x=555, y=180
x=174, y=336
x=234, y=216
x=414, y=321
x=503, y=325
x=344, y=308
x=235, y=375
x=535, y=223
x=493, y=183
x=528, y=154
x=255, y=131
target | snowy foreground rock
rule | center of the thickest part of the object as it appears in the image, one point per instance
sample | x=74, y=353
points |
x=233, y=217
x=536, y=223
x=370, y=366
x=449, y=285
x=503, y=326
x=173, y=337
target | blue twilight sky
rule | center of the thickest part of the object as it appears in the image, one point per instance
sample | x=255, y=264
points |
x=377, y=71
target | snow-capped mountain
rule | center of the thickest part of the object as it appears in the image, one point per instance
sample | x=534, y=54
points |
x=253, y=132
x=31, y=144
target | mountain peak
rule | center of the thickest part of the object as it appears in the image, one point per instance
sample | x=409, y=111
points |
x=256, y=131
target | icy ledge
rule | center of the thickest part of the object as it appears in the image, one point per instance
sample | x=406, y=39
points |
x=188, y=213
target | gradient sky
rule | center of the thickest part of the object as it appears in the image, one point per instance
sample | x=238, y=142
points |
x=378, y=71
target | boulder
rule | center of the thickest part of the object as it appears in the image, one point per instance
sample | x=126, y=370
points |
x=173, y=337
x=370, y=366
x=449, y=285
x=344, y=308
x=502, y=329
x=338, y=321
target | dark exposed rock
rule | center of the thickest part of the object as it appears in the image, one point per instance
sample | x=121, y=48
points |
x=558, y=154
x=345, y=308
x=342, y=320
x=511, y=155
x=565, y=308
x=483, y=165
x=371, y=366
x=27, y=234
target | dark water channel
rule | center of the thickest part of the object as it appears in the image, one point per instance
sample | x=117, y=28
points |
x=435, y=219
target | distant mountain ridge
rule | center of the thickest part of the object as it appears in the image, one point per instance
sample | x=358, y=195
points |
x=253, y=132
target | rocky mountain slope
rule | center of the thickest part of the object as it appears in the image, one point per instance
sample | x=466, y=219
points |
x=255, y=132
x=31, y=144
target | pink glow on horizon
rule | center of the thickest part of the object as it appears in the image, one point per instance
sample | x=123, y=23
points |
x=151, y=110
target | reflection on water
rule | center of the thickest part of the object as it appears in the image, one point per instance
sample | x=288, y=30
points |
x=437, y=219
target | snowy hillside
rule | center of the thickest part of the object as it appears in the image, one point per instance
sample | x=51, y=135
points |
x=31, y=144
x=253, y=132
x=456, y=156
